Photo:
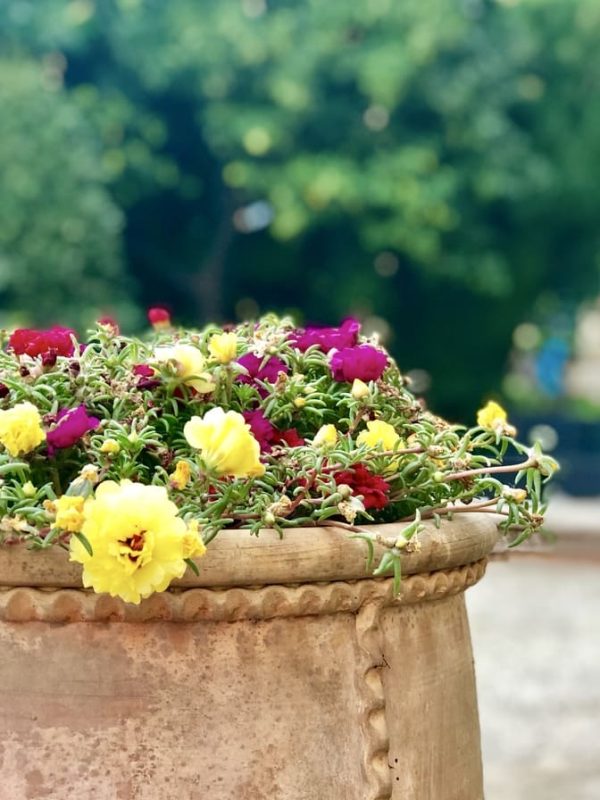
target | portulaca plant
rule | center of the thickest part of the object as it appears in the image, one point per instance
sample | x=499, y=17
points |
x=134, y=454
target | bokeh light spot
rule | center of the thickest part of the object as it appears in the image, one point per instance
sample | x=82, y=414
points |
x=386, y=264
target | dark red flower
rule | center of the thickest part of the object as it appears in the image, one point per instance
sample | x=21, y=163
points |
x=373, y=488
x=145, y=376
x=30, y=342
x=261, y=428
x=257, y=371
x=4, y=391
x=291, y=437
x=71, y=425
x=267, y=435
x=328, y=338
x=159, y=317
x=363, y=361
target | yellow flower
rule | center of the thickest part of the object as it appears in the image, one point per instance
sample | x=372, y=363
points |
x=69, y=513
x=379, y=434
x=180, y=477
x=493, y=417
x=359, y=389
x=300, y=402
x=223, y=347
x=110, y=446
x=326, y=436
x=189, y=363
x=137, y=541
x=226, y=444
x=193, y=546
x=21, y=429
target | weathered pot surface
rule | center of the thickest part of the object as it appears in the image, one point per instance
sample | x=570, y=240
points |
x=291, y=674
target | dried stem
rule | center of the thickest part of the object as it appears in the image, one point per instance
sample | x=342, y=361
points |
x=457, y=476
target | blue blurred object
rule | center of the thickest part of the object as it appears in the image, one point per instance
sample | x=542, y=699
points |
x=550, y=366
x=577, y=450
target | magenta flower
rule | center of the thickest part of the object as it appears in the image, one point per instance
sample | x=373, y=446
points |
x=143, y=370
x=363, y=361
x=71, y=425
x=259, y=372
x=261, y=428
x=328, y=338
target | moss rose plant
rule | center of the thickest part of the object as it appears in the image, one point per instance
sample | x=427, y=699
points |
x=134, y=454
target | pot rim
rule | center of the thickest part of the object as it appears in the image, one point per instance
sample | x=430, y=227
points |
x=303, y=555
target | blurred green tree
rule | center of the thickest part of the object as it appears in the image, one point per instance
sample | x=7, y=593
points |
x=431, y=165
x=60, y=229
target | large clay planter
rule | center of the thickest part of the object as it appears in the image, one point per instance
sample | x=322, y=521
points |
x=284, y=672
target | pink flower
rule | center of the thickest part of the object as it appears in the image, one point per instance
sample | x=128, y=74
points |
x=373, y=488
x=71, y=425
x=259, y=372
x=261, y=428
x=363, y=361
x=55, y=341
x=159, y=317
x=328, y=338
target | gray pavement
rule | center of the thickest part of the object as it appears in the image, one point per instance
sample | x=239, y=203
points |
x=535, y=625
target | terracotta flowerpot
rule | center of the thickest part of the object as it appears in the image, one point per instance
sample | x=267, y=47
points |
x=283, y=672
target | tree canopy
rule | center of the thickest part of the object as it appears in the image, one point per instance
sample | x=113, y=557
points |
x=431, y=165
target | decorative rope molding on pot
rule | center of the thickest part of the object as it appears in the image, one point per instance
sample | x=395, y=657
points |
x=371, y=689
x=25, y=604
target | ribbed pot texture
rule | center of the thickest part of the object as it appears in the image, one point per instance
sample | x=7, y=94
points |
x=283, y=672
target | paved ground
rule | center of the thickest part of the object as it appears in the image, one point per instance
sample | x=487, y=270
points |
x=574, y=516
x=536, y=634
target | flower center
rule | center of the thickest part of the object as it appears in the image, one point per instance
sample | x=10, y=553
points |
x=133, y=546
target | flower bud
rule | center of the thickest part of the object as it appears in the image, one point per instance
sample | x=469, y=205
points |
x=326, y=436
x=300, y=402
x=90, y=473
x=159, y=318
x=359, y=389
x=281, y=507
x=516, y=495
x=110, y=446
x=110, y=325
x=29, y=489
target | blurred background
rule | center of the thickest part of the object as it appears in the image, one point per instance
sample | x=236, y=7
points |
x=431, y=166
